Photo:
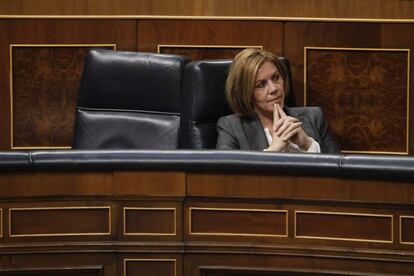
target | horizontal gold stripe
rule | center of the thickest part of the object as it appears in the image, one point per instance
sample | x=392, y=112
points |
x=190, y=17
x=1, y=223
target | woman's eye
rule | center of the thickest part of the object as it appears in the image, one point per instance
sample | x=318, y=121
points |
x=260, y=84
x=275, y=78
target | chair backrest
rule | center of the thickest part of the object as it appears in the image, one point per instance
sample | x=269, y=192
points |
x=204, y=101
x=129, y=100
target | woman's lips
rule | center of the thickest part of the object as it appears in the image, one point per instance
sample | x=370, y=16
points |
x=273, y=101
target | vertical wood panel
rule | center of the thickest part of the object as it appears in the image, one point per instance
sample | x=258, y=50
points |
x=363, y=92
x=119, y=32
x=45, y=82
x=299, y=35
x=400, y=36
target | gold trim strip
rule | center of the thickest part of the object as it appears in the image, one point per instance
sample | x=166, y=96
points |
x=29, y=148
x=400, y=226
x=63, y=45
x=150, y=260
x=236, y=210
x=358, y=49
x=342, y=214
x=11, y=86
x=199, y=17
x=206, y=46
x=366, y=49
x=61, y=208
x=149, y=234
x=1, y=222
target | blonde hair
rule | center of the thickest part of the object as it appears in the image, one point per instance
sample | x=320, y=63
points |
x=241, y=79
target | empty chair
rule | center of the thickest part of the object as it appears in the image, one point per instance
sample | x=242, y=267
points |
x=129, y=100
x=204, y=101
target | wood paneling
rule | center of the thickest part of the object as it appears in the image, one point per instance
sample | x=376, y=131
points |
x=298, y=35
x=237, y=222
x=344, y=226
x=407, y=229
x=150, y=221
x=96, y=264
x=149, y=267
x=354, y=214
x=45, y=83
x=155, y=183
x=78, y=271
x=203, y=52
x=152, y=33
x=398, y=36
x=286, y=262
x=348, y=82
x=59, y=221
x=199, y=39
x=48, y=32
x=297, y=187
x=264, y=271
x=293, y=8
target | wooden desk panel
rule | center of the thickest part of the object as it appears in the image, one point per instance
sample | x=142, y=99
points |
x=204, y=223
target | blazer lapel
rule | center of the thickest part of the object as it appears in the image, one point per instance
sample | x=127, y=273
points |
x=255, y=133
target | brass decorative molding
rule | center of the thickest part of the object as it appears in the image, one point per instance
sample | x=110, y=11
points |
x=126, y=233
x=203, y=46
x=174, y=261
x=218, y=18
x=191, y=232
x=390, y=240
x=11, y=79
x=340, y=70
x=1, y=222
x=15, y=210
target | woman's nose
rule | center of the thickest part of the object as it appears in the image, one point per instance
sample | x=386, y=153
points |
x=272, y=87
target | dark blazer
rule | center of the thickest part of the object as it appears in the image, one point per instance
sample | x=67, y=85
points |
x=246, y=133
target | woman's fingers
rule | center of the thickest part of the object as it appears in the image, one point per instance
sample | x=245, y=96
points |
x=283, y=123
x=276, y=115
x=281, y=112
x=292, y=130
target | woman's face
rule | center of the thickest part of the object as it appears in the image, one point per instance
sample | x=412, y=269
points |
x=269, y=89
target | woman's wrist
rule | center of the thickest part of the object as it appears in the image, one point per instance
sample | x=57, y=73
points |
x=307, y=144
x=277, y=147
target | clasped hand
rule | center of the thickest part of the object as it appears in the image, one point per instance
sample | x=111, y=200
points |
x=285, y=129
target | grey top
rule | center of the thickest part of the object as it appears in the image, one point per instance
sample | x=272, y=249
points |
x=247, y=133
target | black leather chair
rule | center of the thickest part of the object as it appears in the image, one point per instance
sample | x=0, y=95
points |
x=129, y=100
x=204, y=101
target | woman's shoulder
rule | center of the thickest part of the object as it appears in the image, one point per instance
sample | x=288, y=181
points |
x=234, y=119
x=310, y=111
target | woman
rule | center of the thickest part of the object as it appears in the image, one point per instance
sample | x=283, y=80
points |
x=255, y=90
